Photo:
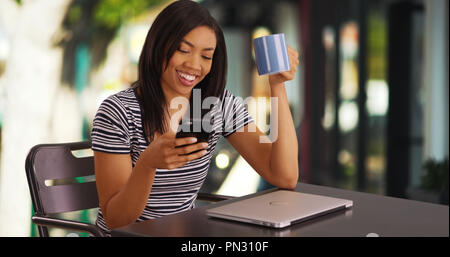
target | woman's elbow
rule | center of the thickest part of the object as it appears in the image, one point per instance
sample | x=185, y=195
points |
x=292, y=178
x=285, y=176
x=289, y=182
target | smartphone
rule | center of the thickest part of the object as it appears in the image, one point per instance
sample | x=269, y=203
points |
x=187, y=129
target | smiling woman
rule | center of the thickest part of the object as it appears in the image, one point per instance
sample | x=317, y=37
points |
x=136, y=162
x=143, y=171
x=174, y=33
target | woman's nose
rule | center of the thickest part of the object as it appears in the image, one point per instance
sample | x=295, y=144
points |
x=193, y=63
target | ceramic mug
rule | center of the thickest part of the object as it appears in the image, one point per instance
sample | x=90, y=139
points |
x=271, y=54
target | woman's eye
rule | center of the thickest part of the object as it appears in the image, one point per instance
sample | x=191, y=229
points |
x=183, y=51
x=206, y=57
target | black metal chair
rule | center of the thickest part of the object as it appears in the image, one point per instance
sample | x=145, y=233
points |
x=56, y=162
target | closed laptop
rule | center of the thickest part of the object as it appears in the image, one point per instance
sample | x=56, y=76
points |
x=279, y=208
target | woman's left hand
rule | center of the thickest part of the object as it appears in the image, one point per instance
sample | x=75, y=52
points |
x=280, y=78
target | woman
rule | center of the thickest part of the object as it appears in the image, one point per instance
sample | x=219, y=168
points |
x=142, y=170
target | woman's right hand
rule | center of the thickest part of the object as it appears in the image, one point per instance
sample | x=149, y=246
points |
x=168, y=152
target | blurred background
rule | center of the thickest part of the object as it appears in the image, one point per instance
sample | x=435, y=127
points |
x=369, y=102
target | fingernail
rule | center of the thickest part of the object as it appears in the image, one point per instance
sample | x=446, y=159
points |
x=193, y=140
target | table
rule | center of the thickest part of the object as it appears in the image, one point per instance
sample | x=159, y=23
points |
x=371, y=215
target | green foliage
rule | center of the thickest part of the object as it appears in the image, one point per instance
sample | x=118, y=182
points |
x=107, y=13
x=377, y=45
x=95, y=23
x=74, y=14
x=111, y=13
x=435, y=176
x=376, y=147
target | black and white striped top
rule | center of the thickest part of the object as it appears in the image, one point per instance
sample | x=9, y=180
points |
x=117, y=128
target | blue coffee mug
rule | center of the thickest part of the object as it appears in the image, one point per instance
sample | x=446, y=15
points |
x=271, y=54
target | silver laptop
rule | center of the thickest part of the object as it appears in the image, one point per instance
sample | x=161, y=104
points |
x=279, y=208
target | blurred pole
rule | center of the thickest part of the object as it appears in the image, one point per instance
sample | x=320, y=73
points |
x=81, y=81
x=436, y=80
x=362, y=98
x=305, y=133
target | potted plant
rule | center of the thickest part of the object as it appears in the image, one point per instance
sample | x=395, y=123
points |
x=435, y=179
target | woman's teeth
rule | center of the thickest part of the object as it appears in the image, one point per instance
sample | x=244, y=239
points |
x=187, y=76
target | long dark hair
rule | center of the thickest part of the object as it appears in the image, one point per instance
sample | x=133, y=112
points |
x=163, y=39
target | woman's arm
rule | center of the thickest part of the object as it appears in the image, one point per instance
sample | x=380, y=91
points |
x=122, y=190
x=276, y=162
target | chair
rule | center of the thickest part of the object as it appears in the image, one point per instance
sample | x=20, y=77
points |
x=56, y=162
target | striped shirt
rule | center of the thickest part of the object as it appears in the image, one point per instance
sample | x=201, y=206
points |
x=117, y=128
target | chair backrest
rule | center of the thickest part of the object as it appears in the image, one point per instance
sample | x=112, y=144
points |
x=47, y=162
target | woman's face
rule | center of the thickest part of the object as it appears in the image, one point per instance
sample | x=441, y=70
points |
x=190, y=63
